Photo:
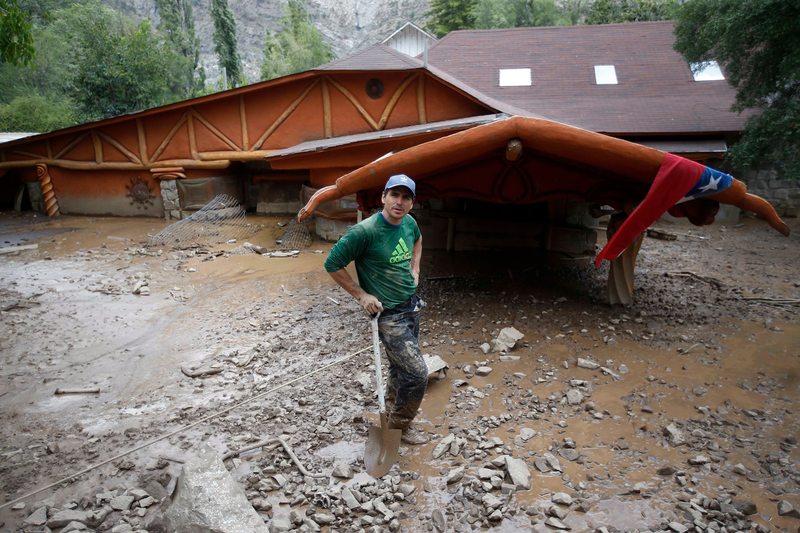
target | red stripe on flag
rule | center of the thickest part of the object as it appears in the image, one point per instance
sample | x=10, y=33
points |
x=676, y=176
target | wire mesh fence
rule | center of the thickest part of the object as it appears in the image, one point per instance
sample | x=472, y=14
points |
x=221, y=220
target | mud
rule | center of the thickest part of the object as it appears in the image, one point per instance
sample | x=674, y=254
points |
x=711, y=346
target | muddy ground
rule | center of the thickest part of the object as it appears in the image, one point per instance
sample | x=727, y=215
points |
x=690, y=423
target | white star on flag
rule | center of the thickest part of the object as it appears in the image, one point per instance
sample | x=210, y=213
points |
x=712, y=184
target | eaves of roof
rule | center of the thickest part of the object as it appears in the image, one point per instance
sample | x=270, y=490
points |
x=349, y=140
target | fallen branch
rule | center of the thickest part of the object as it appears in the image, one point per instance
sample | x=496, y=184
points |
x=273, y=442
x=88, y=390
x=684, y=351
x=706, y=279
x=12, y=249
x=779, y=301
x=200, y=372
x=662, y=235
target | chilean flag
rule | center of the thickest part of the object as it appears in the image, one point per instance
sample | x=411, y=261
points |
x=678, y=180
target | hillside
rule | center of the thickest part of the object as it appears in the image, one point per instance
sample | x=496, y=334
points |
x=347, y=25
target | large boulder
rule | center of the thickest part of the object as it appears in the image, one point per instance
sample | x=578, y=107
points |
x=208, y=500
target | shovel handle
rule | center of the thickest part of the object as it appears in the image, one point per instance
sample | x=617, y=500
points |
x=376, y=349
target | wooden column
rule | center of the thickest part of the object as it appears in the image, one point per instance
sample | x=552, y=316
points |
x=48, y=194
x=620, y=275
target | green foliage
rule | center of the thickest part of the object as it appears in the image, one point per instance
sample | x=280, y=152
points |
x=177, y=24
x=297, y=47
x=517, y=13
x=613, y=11
x=92, y=63
x=16, y=37
x=448, y=15
x=757, y=42
x=225, y=42
x=37, y=113
x=122, y=72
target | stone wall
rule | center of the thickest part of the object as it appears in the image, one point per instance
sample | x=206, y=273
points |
x=783, y=193
x=171, y=200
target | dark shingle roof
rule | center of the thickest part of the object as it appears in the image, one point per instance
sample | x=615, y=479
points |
x=376, y=57
x=655, y=94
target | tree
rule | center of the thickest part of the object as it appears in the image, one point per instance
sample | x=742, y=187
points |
x=36, y=113
x=612, y=11
x=758, y=45
x=16, y=37
x=177, y=23
x=297, y=47
x=516, y=13
x=225, y=42
x=448, y=15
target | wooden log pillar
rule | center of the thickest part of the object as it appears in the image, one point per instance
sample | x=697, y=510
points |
x=48, y=194
x=620, y=274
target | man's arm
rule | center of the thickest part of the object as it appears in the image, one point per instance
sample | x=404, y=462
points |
x=416, y=255
x=370, y=303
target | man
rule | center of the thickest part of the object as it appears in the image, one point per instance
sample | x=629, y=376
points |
x=386, y=249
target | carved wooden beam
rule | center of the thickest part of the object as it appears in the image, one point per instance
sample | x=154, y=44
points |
x=48, y=194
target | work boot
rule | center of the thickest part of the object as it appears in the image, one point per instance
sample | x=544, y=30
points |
x=414, y=437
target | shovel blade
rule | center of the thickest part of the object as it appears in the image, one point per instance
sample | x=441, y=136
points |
x=380, y=452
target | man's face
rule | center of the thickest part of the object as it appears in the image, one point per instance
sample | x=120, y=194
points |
x=396, y=203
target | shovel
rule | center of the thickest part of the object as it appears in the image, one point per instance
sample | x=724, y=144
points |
x=380, y=452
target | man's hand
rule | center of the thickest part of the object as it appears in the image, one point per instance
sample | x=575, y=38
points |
x=370, y=304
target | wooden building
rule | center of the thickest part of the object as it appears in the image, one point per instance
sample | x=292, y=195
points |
x=272, y=144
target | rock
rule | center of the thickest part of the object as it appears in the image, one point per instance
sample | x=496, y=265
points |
x=555, y=523
x=279, y=524
x=526, y=434
x=569, y=454
x=490, y=501
x=121, y=503
x=324, y=519
x=485, y=347
x=745, y=507
x=518, y=472
x=37, y=518
x=587, y=363
x=74, y=526
x=542, y=465
x=561, y=498
x=206, y=498
x=574, y=397
x=483, y=370
x=666, y=471
x=678, y=527
x=552, y=461
x=349, y=499
x=506, y=340
x=787, y=509
x=674, y=435
x=443, y=446
x=740, y=469
x=342, y=470
x=455, y=475
x=699, y=460
x=62, y=518
x=439, y=520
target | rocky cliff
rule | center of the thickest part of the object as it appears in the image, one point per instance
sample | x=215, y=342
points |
x=347, y=25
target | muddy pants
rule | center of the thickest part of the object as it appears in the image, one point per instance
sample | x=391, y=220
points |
x=398, y=329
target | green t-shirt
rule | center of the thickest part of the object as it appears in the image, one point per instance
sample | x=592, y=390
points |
x=382, y=252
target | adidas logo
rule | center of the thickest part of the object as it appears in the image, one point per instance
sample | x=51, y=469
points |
x=401, y=253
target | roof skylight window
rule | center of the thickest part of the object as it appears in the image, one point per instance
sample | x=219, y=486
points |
x=605, y=74
x=515, y=77
x=707, y=71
